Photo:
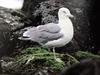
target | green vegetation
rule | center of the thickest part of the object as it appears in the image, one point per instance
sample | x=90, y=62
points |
x=82, y=55
x=40, y=56
x=44, y=58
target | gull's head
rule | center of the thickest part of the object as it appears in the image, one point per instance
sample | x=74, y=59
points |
x=64, y=12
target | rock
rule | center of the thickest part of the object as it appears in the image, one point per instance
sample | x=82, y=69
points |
x=10, y=23
x=6, y=64
x=94, y=22
x=90, y=66
x=4, y=38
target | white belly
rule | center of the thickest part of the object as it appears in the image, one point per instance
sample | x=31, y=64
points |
x=60, y=42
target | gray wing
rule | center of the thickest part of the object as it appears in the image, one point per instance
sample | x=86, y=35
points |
x=43, y=33
x=50, y=27
x=50, y=36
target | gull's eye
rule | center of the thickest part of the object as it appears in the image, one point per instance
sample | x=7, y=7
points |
x=64, y=12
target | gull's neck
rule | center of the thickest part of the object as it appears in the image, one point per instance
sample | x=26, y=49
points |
x=12, y=4
x=66, y=25
x=64, y=21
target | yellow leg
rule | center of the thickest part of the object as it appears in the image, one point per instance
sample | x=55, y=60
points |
x=54, y=52
x=57, y=59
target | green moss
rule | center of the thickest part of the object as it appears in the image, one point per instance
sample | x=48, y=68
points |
x=82, y=54
x=40, y=56
x=57, y=65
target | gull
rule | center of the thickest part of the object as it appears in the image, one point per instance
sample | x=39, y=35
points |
x=52, y=35
x=12, y=4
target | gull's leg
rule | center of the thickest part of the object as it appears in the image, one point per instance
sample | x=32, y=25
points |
x=54, y=52
x=57, y=59
x=49, y=49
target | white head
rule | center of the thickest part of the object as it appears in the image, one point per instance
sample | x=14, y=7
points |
x=64, y=12
x=12, y=4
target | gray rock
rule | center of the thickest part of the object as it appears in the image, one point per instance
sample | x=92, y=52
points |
x=90, y=66
x=10, y=22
